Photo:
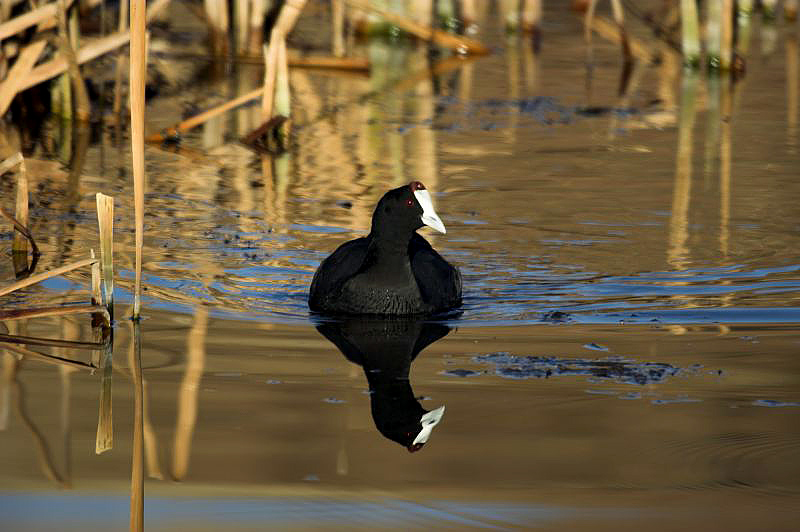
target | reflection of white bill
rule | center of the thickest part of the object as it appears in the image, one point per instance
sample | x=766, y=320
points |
x=429, y=420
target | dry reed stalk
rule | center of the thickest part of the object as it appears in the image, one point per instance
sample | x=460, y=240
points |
x=40, y=15
x=104, y=439
x=744, y=12
x=205, y=116
x=22, y=66
x=442, y=38
x=792, y=93
x=120, y=66
x=339, y=63
x=510, y=12
x=33, y=279
x=241, y=9
x=19, y=314
x=137, y=462
x=337, y=38
x=690, y=33
x=50, y=342
x=270, y=67
x=257, y=12
x=726, y=37
x=469, y=13
x=138, y=73
x=105, y=222
x=67, y=45
x=19, y=246
x=217, y=16
x=532, y=16
x=714, y=34
x=283, y=102
x=49, y=359
x=90, y=51
x=58, y=65
x=10, y=162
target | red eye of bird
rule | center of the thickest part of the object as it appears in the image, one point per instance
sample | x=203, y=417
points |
x=409, y=203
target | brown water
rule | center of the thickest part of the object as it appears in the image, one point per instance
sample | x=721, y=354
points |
x=661, y=226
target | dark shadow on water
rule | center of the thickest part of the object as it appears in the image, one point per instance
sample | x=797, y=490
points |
x=385, y=349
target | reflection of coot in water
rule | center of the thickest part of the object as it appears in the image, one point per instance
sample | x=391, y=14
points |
x=385, y=349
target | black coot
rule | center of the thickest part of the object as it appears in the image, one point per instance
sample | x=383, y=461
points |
x=393, y=270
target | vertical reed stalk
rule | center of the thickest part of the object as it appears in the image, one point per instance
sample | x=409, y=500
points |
x=469, y=14
x=744, y=12
x=690, y=33
x=19, y=248
x=105, y=220
x=422, y=11
x=138, y=74
x=726, y=37
x=532, y=16
x=792, y=93
x=241, y=13
x=257, y=11
x=120, y=66
x=137, y=461
x=714, y=34
x=282, y=95
x=790, y=10
x=337, y=7
x=68, y=44
x=270, y=66
x=510, y=12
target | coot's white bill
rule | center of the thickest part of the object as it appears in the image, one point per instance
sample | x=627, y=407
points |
x=429, y=421
x=429, y=216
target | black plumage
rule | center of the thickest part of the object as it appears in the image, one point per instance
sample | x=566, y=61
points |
x=393, y=270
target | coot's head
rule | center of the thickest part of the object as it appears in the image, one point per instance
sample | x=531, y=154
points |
x=405, y=209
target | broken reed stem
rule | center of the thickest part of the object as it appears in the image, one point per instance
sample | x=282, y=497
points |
x=690, y=33
x=137, y=462
x=426, y=33
x=19, y=246
x=19, y=71
x=105, y=221
x=138, y=73
x=61, y=310
x=33, y=279
x=104, y=440
x=38, y=16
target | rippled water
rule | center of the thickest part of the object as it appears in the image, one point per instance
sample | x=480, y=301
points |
x=626, y=354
